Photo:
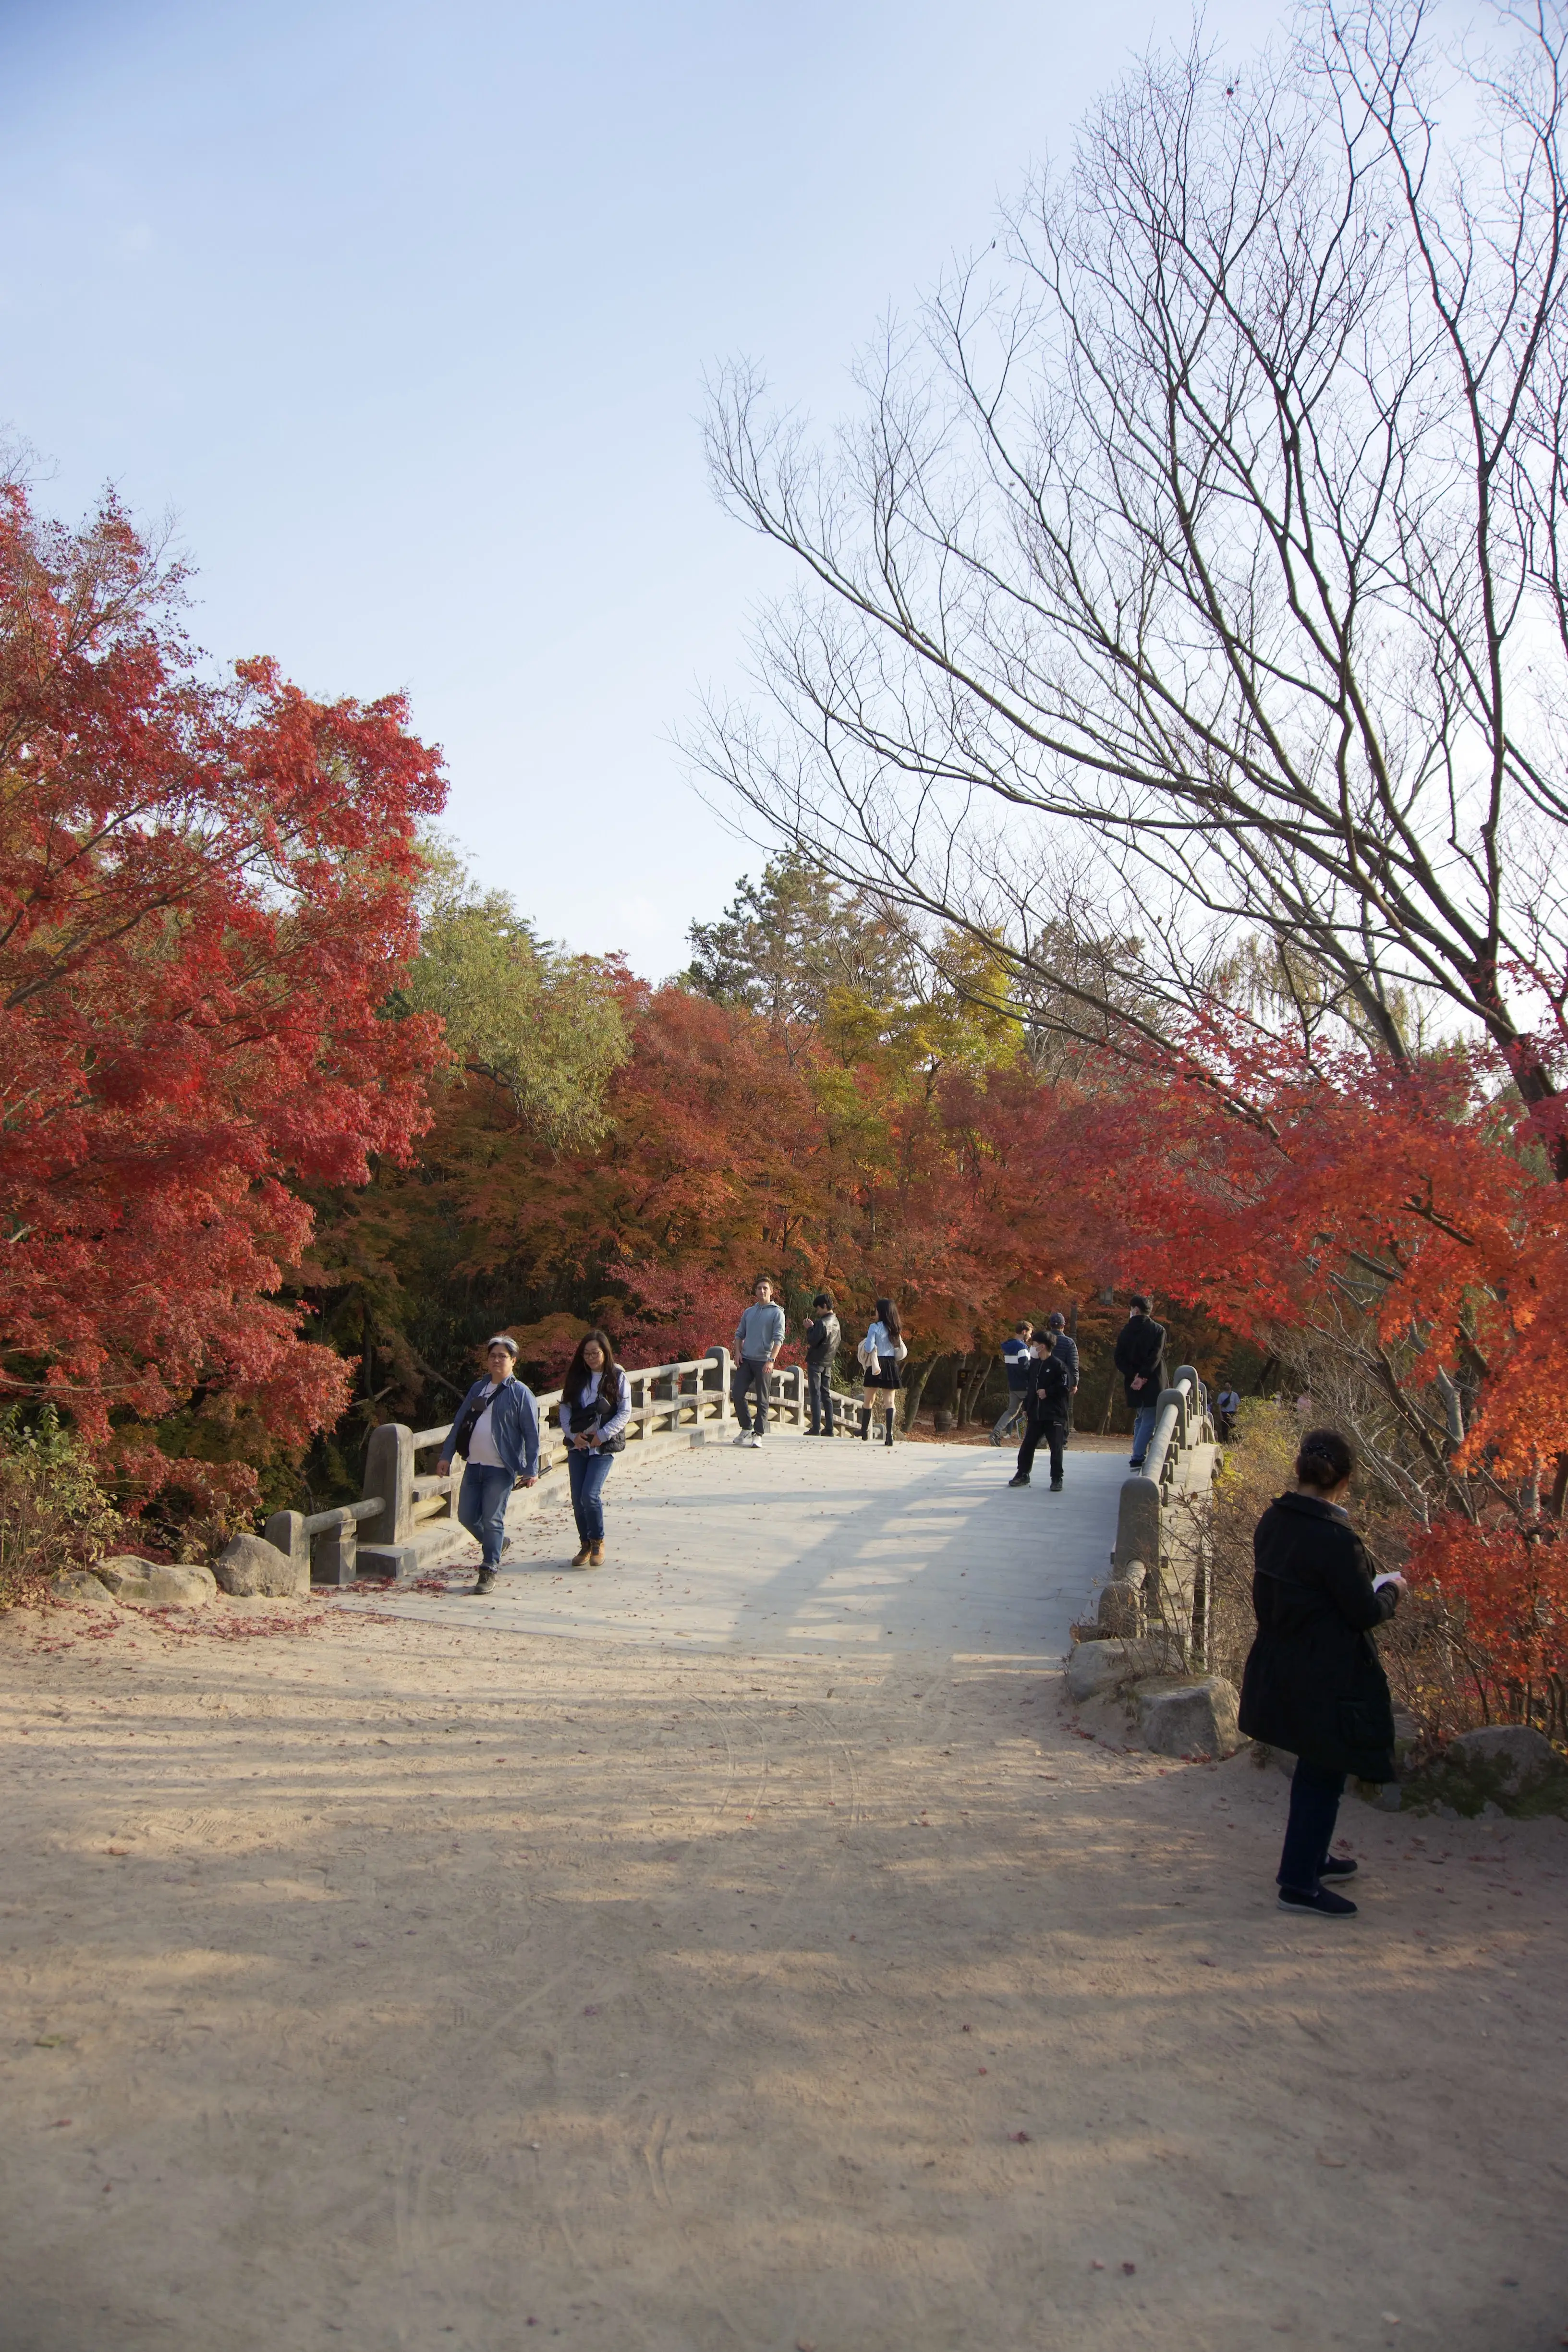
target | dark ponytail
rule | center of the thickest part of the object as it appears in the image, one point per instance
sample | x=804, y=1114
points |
x=1325, y=1460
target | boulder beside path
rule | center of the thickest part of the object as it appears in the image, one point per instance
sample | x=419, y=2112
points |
x=249, y=1564
x=149, y=1584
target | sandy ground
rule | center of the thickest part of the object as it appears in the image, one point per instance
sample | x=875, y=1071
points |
x=400, y=1984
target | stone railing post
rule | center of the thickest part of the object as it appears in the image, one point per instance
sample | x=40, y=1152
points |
x=286, y=1531
x=720, y=1356
x=389, y=1480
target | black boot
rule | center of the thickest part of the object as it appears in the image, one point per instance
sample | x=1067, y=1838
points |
x=486, y=1583
x=865, y=1421
x=890, y=1429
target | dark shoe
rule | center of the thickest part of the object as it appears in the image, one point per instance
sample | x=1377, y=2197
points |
x=1055, y=1485
x=1020, y=1479
x=1319, y=1899
x=1135, y=1462
x=484, y=1582
x=1338, y=1865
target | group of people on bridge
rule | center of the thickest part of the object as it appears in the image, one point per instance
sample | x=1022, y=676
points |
x=1313, y=1685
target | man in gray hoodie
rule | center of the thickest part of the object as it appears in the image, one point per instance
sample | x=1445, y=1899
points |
x=759, y=1336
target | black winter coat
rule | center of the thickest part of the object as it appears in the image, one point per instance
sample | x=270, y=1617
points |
x=1314, y=1685
x=1141, y=1347
x=1049, y=1396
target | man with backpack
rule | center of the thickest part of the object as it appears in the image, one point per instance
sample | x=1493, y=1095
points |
x=1047, y=1409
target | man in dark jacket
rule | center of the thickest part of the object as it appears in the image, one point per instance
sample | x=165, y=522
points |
x=1314, y=1685
x=1141, y=1361
x=822, y=1337
x=1047, y=1407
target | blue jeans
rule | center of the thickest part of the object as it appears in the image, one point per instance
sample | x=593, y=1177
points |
x=1314, y=1808
x=481, y=1506
x=586, y=1473
x=748, y=1376
x=1144, y=1419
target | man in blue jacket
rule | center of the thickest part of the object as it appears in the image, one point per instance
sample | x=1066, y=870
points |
x=497, y=1433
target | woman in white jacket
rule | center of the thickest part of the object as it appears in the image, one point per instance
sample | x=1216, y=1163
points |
x=881, y=1352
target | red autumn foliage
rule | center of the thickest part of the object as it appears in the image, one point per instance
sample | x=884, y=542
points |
x=1503, y=1595
x=204, y=890
x=1409, y=1212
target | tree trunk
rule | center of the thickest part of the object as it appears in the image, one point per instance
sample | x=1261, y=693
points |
x=916, y=1376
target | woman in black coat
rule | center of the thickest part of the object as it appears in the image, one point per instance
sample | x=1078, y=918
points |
x=1314, y=1686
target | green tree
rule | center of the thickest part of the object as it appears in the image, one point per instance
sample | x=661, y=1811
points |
x=546, y=1027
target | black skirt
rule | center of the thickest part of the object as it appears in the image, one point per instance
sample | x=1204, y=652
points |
x=889, y=1374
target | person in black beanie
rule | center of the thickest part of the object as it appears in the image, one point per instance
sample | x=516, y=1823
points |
x=1313, y=1684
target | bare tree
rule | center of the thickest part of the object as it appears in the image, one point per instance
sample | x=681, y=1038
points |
x=1215, y=520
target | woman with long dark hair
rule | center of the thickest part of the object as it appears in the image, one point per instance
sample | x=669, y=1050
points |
x=595, y=1406
x=881, y=1352
x=1314, y=1685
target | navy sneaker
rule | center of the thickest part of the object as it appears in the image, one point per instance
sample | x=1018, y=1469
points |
x=1317, y=1899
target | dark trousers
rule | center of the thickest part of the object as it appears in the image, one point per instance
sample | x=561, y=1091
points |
x=819, y=1400
x=1055, y=1434
x=1315, y=1809
x=750, y=1376
x=586, y=1473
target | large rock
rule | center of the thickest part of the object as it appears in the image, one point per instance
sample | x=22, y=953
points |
x=79, y=1586
x=1097, y=1667
x=145, y=1584
x=1178, y=1717
x=1512, y=1752
x=249, y=1564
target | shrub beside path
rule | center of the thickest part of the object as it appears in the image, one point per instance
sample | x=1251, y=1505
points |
x=403, y=1977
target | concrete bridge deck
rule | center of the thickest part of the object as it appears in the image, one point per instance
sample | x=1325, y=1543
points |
x=808, y=1548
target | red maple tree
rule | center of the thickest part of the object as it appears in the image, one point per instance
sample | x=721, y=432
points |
x=204, y=896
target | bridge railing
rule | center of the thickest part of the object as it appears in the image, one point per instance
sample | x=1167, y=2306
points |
x=1155, y=1531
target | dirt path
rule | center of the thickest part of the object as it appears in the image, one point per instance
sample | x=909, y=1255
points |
x=407, y=1986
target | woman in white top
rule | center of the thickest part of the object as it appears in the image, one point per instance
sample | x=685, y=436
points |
x=595, y=1406
x=881, y=1352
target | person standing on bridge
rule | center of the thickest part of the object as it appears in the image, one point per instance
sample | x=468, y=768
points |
x=822, y=1337
x=1313, y=1685
x=1047, y=1408
x=595, y=1406
x=759, y=1336
x=881, y=1352
x=497, y=1433
x=1141, y=1361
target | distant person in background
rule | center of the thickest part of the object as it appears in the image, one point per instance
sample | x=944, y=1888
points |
x=1227, y=1405
x=1016, y=1360
x=822, y=1338
x=595, y=1406
x=1313, y=1685
x=1047, y=1409
x=497, y=1435
x=759, y=1336
x=881, y=1352
x=1065, y=1345
x=1141, y=1361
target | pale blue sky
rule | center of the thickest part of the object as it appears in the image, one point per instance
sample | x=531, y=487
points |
x=404, y=311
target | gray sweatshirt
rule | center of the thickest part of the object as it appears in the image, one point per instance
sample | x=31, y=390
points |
x=759, y=1329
